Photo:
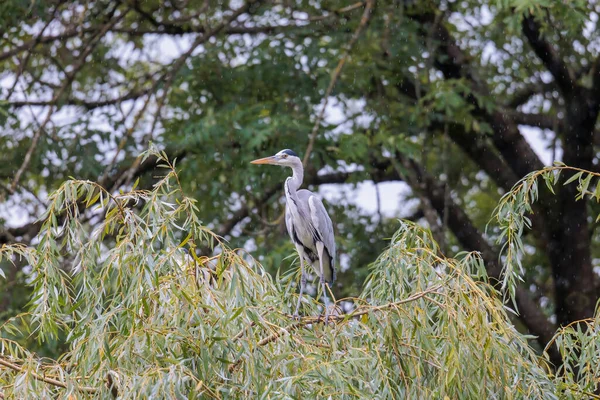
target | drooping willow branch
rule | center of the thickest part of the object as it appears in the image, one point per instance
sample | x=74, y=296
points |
x=510, y=214
x=335, y=318
x=51, y=381
x=266, y=340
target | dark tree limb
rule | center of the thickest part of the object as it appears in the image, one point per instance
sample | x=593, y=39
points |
x=483, y=154
x=523, y=95
x=595, y=74
x=543, y=121
x=565, y=239
x=515, y=151
x=563, y=75
x=455, y=64
x=87, y=104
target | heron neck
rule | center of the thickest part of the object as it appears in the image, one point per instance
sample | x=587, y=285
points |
x=296, y=180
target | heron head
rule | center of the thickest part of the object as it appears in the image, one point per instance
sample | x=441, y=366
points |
x=285, y=158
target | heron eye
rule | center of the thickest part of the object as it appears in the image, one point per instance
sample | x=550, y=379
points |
x=284, y=156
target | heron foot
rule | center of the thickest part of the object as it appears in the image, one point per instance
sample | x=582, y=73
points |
x=326, y=320
x=296, y=316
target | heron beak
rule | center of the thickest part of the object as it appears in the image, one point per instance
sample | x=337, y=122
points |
x=266, y=160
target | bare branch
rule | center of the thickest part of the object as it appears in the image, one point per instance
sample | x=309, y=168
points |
x=543, y=121
x=25, y=62
x=563, y=75
x=524, y=94
x=87, y=104
x=336, y=74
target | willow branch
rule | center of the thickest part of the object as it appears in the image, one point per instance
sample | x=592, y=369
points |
x=336, y=318
x=51, y=381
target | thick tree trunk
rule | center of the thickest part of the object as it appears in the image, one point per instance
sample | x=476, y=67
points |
x=569, y=247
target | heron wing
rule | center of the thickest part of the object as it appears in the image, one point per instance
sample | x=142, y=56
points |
x=322, y=224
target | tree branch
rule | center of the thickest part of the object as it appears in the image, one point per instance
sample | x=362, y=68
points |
x=563, y=75
x=184, y=28
x=524, y=94
x=51, y=381
x=543, y=121
x=454, y=64
x=80, y=62
x=484, y=155
x=336, y=318
x=595, y=74
x=87, y=104
x=336, y=74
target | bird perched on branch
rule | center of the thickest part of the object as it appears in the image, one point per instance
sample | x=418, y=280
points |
x=308, y=225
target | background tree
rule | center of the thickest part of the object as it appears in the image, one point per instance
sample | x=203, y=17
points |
x=433, y=94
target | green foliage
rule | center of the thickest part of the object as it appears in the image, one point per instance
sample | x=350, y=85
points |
x=512, y=210
x=579, y=345
x=144, y=316
x=116, y=289
x=244, y=94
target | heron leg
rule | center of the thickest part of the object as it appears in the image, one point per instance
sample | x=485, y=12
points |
x=320, y=248
x=302, y=283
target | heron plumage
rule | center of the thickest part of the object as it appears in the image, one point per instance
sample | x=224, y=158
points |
x=307, y=222
x=312, y=227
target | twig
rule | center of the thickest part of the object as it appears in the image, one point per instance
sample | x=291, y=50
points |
x=25, y=61
x=336, y=318
x=52, y=381
x=241, y=333
x=336, y=74
x=70, y=77
x=378, y=198
x=77, y=102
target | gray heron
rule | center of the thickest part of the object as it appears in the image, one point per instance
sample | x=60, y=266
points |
x=308, y=225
